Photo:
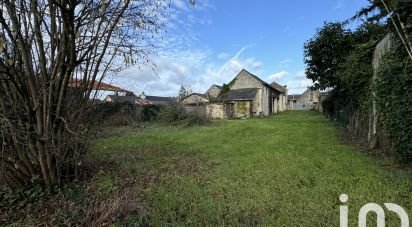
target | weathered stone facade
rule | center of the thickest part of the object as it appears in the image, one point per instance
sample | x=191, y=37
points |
x=234, y=109
x=309, y=99
x=264, y=101
x=215, y=110
x=195, y=99
x=213, y=91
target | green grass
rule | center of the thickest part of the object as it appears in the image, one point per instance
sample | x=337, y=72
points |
x=286, y=170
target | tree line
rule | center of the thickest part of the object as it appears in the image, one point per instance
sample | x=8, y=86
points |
x=374, y=103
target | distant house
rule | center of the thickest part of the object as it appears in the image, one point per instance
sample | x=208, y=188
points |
x=158, y=100
x=309, y=99
x=97, y=86
x=293, y=98
x=248, y=95
x=78, y=87
x=195, y=99
x=141, y=99
x=121, y=99
x=213, y=92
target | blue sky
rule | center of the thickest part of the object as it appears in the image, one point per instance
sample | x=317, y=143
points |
x=210, y=43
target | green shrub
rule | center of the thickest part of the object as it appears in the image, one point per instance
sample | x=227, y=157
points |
x=177, y=115
x=394, y=95
x=150, y=112
x=172, y=113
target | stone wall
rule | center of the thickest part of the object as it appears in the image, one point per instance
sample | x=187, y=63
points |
x=244, y=80
x=215, y=110
x=242, y=109
x=306, y=97
x=194, y=99
x=213, y=92
x=266, y=100
x=381, y=49
x=281, y=103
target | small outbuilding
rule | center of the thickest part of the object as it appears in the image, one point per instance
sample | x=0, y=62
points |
x=247, y=95
x=195, y=99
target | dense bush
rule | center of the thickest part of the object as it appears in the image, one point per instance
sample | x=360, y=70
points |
x=340, y=60
x=117, y=113
x=149, y=112
x=352, y=77
x=124, y=113
x=178, y=115
x=394, y=102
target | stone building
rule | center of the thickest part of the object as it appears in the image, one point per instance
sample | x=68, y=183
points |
x=282, y=98
x=213, y=92
x=309, y=99
x=195, y=99
x=247, y=95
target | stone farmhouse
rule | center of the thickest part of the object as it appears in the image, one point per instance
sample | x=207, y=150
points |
x=245, y=96
x=213, y=92
x=195, y=99
x=309, y=99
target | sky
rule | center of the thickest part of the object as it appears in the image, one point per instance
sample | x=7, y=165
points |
x=213, y=41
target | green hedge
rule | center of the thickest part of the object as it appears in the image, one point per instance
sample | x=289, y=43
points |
x=394, y=102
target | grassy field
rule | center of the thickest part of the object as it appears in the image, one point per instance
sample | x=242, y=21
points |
x=286, y=170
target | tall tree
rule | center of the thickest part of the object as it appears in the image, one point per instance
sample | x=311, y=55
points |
x=53, y=54
x=325, y=52
x=398, y=12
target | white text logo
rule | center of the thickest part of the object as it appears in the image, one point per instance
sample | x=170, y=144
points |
x=375, y=208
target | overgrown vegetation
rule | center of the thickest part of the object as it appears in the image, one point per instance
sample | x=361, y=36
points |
x=124, y=113
x=121, y=114
x=213, y=175
x=340, y=60
x=226, y=87
x=394, y=89
x=104, y=199
x=53, y=54
x=344, y=66
x=177, y=115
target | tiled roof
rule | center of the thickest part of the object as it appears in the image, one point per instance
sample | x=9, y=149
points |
x=160, y=99
x=201, y=95
x=278, y=87
x=117, y=98
x=218, y=86
x=143, y=101
x=75, y=83
x=240, y=94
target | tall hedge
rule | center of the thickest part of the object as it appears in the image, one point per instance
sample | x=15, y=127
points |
x=394, y=102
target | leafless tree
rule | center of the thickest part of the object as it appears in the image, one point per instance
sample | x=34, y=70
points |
x=53, y=54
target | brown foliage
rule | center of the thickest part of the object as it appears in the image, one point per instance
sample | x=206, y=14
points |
x=44, y=46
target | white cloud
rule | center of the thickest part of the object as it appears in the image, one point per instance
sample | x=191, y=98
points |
x=189, y=69
x=340, y=4
x=300, y=74
x=298, y=86
x=284, y=63
x=278, y=76
x=296, y=81
x=223, y=56
x=181, y=60
x=214, y=74
x=179, y=56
